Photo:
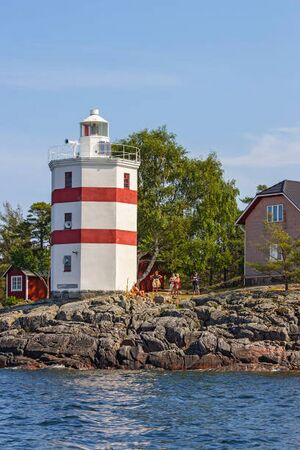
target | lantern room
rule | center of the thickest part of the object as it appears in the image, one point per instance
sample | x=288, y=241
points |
x=95, y=125
x=94, y=135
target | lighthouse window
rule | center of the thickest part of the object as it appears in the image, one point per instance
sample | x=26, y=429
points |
x=68, y=221
x=67, y=263
x=103, y=129
x=127, y=180
x=94, y=129
x=68, y=179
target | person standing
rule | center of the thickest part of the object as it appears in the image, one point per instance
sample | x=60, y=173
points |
x=172, y=282
x=196, y=283
x=177, y=284
x=156, y=281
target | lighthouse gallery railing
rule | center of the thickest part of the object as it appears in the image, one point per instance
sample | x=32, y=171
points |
x=107, y=150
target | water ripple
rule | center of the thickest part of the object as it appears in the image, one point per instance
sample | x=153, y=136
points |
x=64, y=409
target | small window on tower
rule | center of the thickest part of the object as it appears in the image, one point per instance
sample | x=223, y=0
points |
x=67, y=263
x=127, y=180
x=68, y=179
x=68, y=221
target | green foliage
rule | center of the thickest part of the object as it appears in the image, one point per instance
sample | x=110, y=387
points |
x=11, y=301
x=14, y=233
x=187, y=211
x=259, y=188
x=25, y=243
x=288, y=247
x=39, y=222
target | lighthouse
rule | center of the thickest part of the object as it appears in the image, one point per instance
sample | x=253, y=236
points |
x=94, y=212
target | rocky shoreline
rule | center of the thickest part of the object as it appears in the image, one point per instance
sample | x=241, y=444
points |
x=244, y=330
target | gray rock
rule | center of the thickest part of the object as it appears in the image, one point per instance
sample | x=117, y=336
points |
x=168, y=360
x=111, y=331
x=152, y=343
x=12, y=344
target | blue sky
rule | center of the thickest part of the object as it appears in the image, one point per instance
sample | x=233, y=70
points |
x=222, y=75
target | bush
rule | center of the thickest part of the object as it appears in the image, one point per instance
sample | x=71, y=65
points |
x=10, y=301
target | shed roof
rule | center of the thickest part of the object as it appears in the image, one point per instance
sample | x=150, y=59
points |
x=290, y=189
x=25, y=271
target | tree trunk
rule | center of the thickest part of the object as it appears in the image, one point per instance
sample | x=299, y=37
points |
x=48, y=286
x=286, y=283
x=140, y=256
x=150, y=265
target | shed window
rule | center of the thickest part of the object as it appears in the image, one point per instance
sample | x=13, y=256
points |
x=68, y=179
x=16, y=283
x=67, y=263
x=275, y=213
x=127, y=180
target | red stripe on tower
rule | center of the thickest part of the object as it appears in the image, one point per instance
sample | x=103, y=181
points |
x=94, y=236
x=94, y=194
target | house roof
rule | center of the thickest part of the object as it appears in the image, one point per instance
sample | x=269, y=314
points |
x=290, y=189
x=25, y=272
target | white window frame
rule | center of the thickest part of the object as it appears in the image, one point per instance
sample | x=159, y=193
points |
x=270, y=217
x=18, y=281
x=274, y=253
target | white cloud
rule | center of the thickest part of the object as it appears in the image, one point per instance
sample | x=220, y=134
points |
x=276, y=148
x=53, y=78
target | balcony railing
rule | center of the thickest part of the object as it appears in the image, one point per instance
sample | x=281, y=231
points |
x=104, y=150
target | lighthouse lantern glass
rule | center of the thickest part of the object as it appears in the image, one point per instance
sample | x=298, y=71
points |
x=95, y=129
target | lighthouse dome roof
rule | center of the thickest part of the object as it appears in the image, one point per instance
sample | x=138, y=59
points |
x=94, y=117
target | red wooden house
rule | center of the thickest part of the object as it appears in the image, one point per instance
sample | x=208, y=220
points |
x=23, y=284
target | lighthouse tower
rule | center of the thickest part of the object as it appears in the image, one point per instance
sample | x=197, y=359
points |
x=94, y=212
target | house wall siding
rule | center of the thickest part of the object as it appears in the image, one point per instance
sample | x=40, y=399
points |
x=254, y=229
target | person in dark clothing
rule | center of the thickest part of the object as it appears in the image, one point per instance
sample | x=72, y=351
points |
x=196, y=283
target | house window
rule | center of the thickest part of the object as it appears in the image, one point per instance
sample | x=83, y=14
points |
x=275, y=213
x=127, y=180
x=275, y=253
x=68, y=221
x=68, y=179
x=67, y=263
x=16, y=283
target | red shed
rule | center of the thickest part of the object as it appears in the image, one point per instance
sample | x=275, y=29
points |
x=24, y=284
x=146, y=284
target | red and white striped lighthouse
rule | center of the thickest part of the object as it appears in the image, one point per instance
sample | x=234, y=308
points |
x=94, y=212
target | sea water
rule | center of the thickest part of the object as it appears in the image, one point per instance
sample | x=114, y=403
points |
x=66, y=409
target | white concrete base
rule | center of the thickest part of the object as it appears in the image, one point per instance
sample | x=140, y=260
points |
x=95, y=267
